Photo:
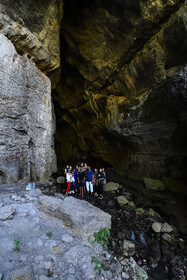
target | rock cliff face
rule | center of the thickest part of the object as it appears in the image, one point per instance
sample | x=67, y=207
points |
x=120, y=98
x=26, y=121
x=33, y=27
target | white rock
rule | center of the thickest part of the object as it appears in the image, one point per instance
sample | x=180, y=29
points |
x=67, y=238
x=156, y=226
x=75, y=213
x=122, y=200
x=26, y=118
x=124, y=275
x=35, y=192
x=128, y=248
x=47, y=265
x=6, y=212
x=166, y=228
x=159, y=227
x=111, y=186
x=40, y=243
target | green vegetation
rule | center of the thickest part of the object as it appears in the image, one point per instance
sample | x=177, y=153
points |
x=49, y=234
x=102, y=236
x=99, y=265
x=17, y=244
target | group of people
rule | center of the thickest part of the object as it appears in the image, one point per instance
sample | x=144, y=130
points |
x=83, y=179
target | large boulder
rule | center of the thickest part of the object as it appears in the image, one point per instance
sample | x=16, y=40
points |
x=162, y=227
x=153, y=184
x=26, y=119
x=75, y=213
x=122, y=200
x=111, y=186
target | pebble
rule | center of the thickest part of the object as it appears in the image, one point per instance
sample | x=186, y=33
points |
x=128, y=248
x=47, y=265
x=123, y=262
x=67, y=238
x=124, y=275
x=109, y=274
x=40, y=243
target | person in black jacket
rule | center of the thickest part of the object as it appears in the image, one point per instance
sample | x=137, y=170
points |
x=81, y=177
x=100, y=179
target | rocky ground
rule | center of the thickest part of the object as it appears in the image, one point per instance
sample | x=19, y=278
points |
x=45, y=235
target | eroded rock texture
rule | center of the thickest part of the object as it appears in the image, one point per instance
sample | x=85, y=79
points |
x=26, y=121
x=120, y=99
x=34, y=27
x=122, y=96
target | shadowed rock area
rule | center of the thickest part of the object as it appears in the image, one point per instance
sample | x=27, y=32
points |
x=121, y=100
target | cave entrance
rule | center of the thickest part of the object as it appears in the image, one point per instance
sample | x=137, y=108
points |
x=78, y=134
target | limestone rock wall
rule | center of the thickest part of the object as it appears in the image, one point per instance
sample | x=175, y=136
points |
x=34, y=29
x=26, y=119
x=118, y=76
x=117, y=55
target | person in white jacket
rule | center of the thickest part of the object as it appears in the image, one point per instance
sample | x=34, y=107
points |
x=70, y=180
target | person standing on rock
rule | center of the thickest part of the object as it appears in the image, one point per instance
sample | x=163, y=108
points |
x=70, y=180
x=66, y=169
x=75, y=172
x=85, y=169
x=82, y=165
x=95, y=182
x=89, y=180
x=81, y=176
x=100, y=179
x=65, y=172
x=103, y=170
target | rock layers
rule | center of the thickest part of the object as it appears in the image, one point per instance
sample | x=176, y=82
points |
x=26, y=119
x=120, y=98
x=33, y=27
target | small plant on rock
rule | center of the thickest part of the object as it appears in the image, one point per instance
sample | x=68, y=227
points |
x=102, y=236
x=99, y=265
x=49, y=234
x=17, y=244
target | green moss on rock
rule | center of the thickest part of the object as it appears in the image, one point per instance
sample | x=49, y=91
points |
x=153, y=184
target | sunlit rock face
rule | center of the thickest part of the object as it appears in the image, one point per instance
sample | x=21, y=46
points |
x=27, y=123
x=122, y=95
x=33, y=26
